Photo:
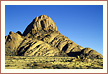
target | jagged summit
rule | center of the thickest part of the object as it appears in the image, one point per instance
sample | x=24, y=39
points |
x=42, y=38
x=40, y=23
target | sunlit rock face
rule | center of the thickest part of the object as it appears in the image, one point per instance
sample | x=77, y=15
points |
x=42, y=38
x=41, y=23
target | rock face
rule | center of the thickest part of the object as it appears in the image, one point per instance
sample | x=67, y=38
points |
x=42, y=38
x=40, y=23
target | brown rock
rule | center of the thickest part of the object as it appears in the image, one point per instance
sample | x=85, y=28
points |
x=12, y=41
x=41, y=23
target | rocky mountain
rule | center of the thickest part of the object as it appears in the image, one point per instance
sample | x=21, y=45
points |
x=42, y=38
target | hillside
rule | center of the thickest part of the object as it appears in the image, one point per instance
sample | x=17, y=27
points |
x=42, y=38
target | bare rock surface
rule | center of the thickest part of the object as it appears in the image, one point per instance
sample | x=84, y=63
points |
x=42, y=38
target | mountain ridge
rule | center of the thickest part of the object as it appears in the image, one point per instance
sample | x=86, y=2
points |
x=42, y=38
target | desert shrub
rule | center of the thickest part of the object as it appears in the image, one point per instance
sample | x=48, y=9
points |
x=59, y=66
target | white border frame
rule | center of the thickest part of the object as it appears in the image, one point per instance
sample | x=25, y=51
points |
x=3, y=3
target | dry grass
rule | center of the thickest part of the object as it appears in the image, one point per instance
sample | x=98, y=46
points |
x=22, y=62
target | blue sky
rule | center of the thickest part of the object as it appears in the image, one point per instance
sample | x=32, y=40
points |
x=82, y=24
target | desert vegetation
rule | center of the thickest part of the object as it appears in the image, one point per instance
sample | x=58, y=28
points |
x=22, y=62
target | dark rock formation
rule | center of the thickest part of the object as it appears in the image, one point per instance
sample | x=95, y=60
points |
x=42, y=38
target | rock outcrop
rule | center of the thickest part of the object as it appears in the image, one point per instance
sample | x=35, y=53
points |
x=42, y=38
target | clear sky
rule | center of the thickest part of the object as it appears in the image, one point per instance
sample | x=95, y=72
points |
x=82, y=24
